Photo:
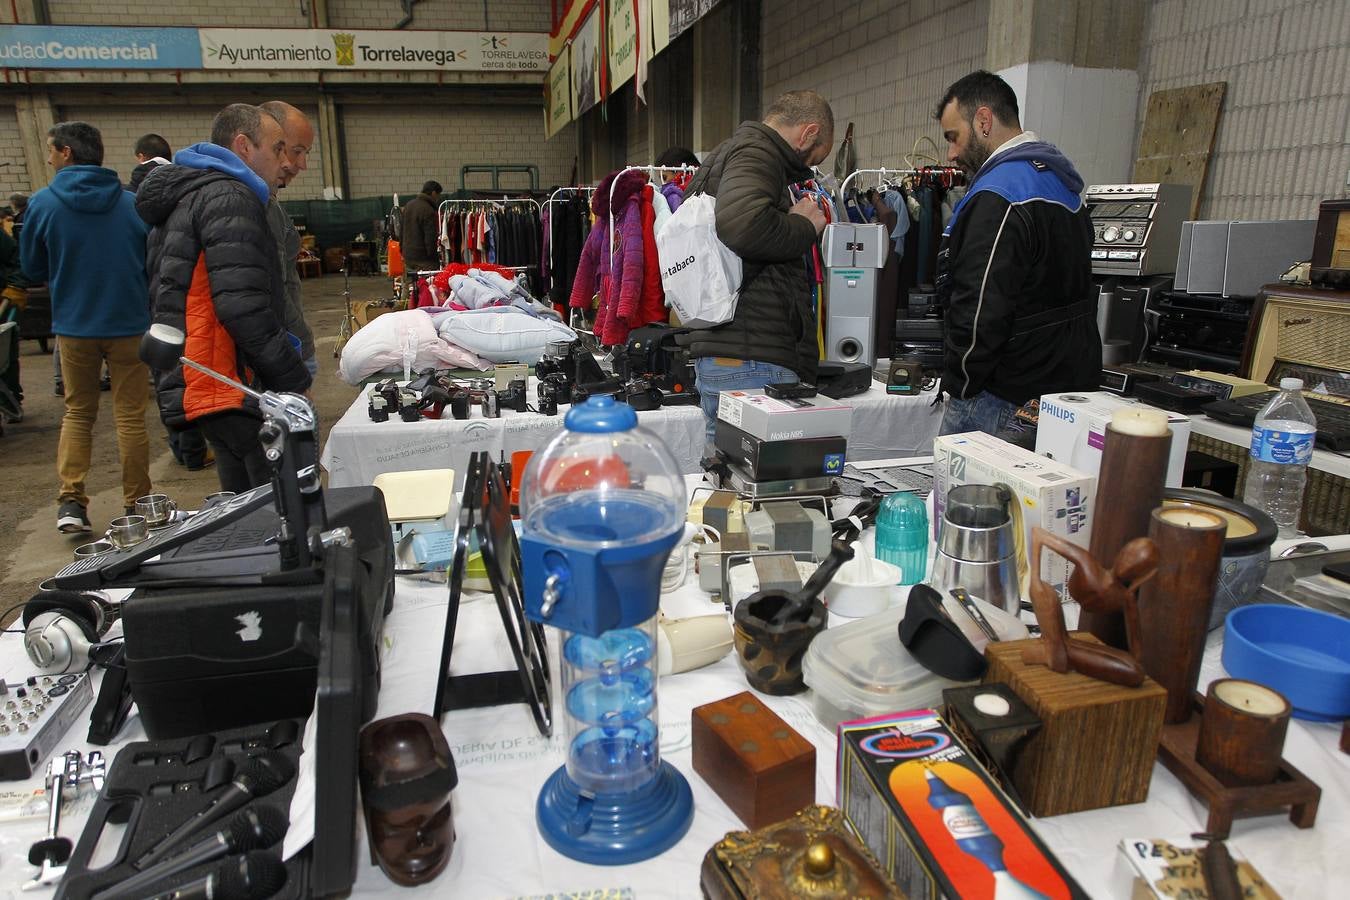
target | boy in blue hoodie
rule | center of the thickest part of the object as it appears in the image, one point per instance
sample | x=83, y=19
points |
x=1014, y=266
x=82, y=237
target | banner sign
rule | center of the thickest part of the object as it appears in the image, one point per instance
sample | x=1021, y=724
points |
x=316, y=48
x=559, y=111
x=622, y=42
x=586, y=64
x=90, y=47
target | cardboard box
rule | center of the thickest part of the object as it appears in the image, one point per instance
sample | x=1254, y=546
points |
x=781, y=460
x=1072, y=429
x=772, y=419
x=1050, y=494
x=366, y=311
x=936, y=822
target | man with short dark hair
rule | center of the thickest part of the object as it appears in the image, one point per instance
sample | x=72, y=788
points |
x=216, y=276
x=772, y=336
x=83, y=238
x=419, y=230
x=1014, y=268
x=151, y=150
x=299, y=139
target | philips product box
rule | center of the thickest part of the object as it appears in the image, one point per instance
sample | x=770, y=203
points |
x=934, y=819
x=1050, y=494
x=774, y=419
x=1072, y=430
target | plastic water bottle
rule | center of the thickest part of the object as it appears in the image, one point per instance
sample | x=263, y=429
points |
x=1282, y=446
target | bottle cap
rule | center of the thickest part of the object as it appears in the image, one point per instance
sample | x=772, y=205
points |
x=1291, y=384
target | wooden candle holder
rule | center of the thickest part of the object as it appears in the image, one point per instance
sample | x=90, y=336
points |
x=1291, y=788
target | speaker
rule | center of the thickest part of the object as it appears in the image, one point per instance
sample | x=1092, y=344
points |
x=854, y=256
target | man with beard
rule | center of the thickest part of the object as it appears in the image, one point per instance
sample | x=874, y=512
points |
x=1014, y=268
x=772, y=336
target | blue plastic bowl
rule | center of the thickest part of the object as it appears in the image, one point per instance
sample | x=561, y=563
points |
x=1302, y=653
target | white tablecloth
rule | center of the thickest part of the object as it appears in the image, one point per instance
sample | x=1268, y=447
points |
x=502, y=761
x=358, y=449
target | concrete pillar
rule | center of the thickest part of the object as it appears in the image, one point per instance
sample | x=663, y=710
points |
x=36, y=116
x=715, y=73
x=331, y=151
x=1073, y=64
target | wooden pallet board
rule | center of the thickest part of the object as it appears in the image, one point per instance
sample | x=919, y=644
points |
x=1178, y=137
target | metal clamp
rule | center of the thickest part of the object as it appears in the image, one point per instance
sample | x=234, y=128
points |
x=64, y=773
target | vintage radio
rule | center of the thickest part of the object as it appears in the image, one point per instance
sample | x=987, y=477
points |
x=1331, y=245
x=1291, y=324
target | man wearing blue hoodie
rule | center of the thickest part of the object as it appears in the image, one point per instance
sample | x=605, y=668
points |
x=82, y=236
x=1014, y=267
x=216, y=275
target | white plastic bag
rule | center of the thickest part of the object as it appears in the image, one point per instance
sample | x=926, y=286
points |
x=700, y=274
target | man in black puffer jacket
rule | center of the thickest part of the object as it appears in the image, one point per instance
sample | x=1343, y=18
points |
x=215, y=274
x=772, y=337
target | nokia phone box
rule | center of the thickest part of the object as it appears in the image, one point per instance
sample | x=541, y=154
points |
x=774, y=419
x=1072, y=429
x=207, y=657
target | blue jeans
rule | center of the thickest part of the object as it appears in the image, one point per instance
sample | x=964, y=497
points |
x=983, y=412
x=714, y=376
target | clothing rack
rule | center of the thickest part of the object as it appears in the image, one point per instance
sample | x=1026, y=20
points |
x=884, y=172
x=446, y=204
x=553, y=198
x=614, y=183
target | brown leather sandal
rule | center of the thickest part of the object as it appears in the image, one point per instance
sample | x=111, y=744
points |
x=407, y=774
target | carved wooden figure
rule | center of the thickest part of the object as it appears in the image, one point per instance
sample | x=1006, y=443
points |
x=1099, y=590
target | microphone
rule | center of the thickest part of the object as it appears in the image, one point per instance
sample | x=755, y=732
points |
x=256, y=777
x=257, y=876
x=252, y=829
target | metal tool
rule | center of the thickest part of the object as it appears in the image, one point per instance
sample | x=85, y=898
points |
x=64, y=773
x=971, y=609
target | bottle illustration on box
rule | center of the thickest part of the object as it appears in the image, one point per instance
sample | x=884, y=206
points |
x=973, y=836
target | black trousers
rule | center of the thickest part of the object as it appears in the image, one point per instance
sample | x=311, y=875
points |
x=233, y=436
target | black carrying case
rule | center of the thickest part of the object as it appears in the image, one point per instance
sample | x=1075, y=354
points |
x=130, y=796
x=205, y=658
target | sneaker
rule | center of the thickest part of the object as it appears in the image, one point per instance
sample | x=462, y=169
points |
x=72, y=519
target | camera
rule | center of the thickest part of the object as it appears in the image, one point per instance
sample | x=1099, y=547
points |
x=639, y=394
x=383, y=399
x=548, y=399
x=409, y=406
x=516, y=396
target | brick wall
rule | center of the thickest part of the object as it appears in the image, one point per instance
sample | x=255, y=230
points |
x=882, y=65
x=395, y=147
x=1282, y=143
x=180, y=126
x=239, y=13
x=13, y=168
x=450, y=15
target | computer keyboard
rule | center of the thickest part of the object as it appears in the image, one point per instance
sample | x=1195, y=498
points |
x=1333, y=419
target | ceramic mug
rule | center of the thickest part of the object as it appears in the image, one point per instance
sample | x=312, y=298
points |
x=157, y=509
x=127, y=531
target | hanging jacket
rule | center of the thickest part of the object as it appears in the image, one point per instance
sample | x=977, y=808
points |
x=625, y=282
x=749, y=174
x=1015, y=272
x=215, y=274
x=593, y=265
x=673, y=193
x=651, y=302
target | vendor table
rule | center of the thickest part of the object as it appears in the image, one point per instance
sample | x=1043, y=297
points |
x=502, y=761
x=358, y=449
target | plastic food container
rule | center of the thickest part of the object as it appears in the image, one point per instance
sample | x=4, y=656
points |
x=861, y=669
x=1302, y=653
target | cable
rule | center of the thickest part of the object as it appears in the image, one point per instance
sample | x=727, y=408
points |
x=915, y=154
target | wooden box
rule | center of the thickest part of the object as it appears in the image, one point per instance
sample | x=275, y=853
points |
x=813, y=854
x=1098, y=742
x=760, y=767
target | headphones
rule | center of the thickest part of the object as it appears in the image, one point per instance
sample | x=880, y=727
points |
x=60, y=627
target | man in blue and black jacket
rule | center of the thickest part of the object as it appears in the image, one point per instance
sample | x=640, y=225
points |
x=1014, y=268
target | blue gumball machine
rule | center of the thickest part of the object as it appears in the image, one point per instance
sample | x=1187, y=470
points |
x=601, y=507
